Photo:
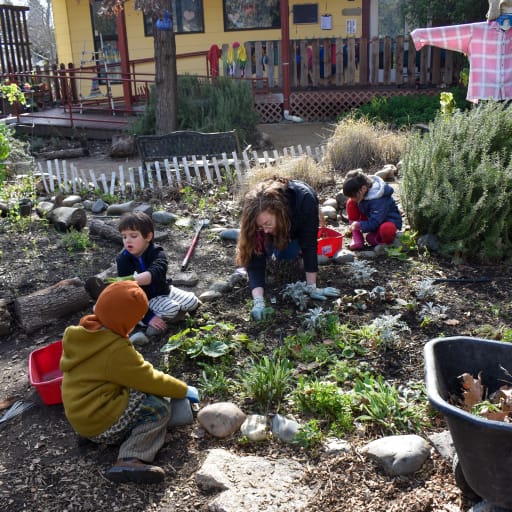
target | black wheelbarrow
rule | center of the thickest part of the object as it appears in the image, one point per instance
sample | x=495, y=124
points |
x=484, y=447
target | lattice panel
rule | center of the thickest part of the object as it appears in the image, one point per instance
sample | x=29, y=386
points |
x=269, y=112
x=327, y=105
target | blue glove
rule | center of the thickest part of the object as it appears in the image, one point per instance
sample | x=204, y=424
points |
x=322, y=293
x=192, y=394
x=259, y=311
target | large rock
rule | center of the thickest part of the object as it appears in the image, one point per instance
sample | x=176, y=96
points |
x=253, y=484
x=221, y=419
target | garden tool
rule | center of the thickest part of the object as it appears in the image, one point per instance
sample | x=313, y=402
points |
x=16, y=409
x=200, y=225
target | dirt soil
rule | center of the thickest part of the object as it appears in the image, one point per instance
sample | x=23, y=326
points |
x=44, y=467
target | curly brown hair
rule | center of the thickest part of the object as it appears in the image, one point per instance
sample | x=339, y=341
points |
x=267, y=196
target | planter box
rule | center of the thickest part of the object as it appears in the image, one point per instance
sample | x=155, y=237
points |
x=484, y=447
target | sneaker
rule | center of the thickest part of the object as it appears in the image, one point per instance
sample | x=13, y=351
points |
x=134, y=470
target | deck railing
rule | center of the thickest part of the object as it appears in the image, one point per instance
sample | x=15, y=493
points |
x=319, y=64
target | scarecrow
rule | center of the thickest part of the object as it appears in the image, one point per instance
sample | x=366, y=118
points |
x=488, y=46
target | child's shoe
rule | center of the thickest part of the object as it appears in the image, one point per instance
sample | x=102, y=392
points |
x=357, y=241
x=134, y=470
x=373, y=239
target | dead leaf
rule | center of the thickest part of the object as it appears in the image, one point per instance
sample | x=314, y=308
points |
x=451, y=321
x=473, y=390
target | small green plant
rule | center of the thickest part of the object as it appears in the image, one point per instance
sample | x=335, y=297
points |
x=267, y=380
x=388, y=328
x=382, y=405
x=327, y=401
x=361, y=271
x=76, y=241
x=304, y=347
x=298, y=293
x=213, y=381
x=447, y=102
x=309, y=435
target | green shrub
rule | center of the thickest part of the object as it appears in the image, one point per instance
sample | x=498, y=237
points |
x=457, y=182
x=208, y=106
x=405, y=111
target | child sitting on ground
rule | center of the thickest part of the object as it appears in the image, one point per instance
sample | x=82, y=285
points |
x=110, y=393
x=370, y=209
x=147, y=263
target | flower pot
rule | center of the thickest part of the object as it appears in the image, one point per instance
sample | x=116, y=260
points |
x=484, y=447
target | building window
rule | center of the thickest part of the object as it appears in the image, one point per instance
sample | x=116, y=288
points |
x=187, y=17
x=251, y=15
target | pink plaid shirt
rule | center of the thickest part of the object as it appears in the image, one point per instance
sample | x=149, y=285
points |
x=489, y=50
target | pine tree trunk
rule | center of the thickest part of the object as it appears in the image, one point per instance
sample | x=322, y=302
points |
x=166, y=82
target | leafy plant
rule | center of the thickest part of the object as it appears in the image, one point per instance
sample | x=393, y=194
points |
x=304, y=347
x=457, y=182
x=309, y=435
x=325, y=400
x=361, y=271
x=215, y=339
x=74, y=241
x=381, y=404
x=388, y=328
x=213, y=381
x=298, y=293
x=267, y=380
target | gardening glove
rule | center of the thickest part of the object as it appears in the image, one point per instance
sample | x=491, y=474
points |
x=259, y=311
x=322, y=293
x=116, y=279
x=192, y=394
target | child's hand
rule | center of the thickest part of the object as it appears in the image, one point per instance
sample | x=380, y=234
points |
x=157, y=323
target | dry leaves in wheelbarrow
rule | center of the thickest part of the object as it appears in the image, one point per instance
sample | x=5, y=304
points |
x=498, y=405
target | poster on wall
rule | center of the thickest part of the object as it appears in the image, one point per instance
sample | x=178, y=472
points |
x=351, y=26
x=251, y=15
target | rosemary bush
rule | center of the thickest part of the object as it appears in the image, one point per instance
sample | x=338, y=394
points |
x=457, y=182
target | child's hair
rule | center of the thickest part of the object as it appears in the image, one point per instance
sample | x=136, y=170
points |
x=267, y=196
x=354, y=180
x=136, y=221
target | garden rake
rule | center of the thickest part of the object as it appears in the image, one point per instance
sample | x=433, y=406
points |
x=16, y=409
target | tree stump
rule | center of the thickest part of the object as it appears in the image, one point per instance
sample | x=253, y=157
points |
x=66, y=217
x=45, y=306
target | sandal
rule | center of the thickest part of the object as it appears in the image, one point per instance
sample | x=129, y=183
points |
x=134, y=470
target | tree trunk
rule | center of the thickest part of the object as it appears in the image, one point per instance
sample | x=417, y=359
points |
x=99, y=228
x=166, y=82
x=66, y=217
x=45, y=306
x=5, y=318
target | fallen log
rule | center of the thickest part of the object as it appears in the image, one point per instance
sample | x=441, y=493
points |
x=100, y=228
x=66, y=217
x=45, y=306
x=63, y=153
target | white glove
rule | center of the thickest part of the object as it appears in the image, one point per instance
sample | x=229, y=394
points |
x=322, y=293
x=259, y=311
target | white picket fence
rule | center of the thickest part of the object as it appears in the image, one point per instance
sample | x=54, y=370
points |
x=59, y=176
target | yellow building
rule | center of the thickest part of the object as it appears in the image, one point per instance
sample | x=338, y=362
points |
x=81, y=34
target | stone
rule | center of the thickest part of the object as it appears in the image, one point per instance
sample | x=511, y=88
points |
x=99, y=206
x=122, y=146
x=255, y=427
x=209, y=296
x=331, y=202
x=221, y=419
x=344, y=256
x=188, y=279
x=220, y=286
x=443, y=443
x=139, y=338
x=329, y=212
x=237, y=278
x=398, y=455
x=163, y=217
x=119, y=209
x=181, y=413
x=230, y=234
x=334, y=446
x=253, y=484
x=284, y=428
x=324, y=260
x=144, y=207
x=71, y=200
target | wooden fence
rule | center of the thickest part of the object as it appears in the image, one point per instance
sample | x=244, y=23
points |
x=58, y=175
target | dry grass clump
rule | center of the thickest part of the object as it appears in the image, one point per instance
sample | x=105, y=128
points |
x=303, y=168
x=360, y=143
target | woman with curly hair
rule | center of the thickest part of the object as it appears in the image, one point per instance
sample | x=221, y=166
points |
x=280, y=220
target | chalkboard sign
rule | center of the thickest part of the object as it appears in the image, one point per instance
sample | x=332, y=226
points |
x=305, y=13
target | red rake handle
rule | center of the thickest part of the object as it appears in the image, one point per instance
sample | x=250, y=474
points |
x=187, y=257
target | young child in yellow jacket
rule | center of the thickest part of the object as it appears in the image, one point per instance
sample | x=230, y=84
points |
x=110, y=393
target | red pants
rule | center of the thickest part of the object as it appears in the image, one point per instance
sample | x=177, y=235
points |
x=384, y=235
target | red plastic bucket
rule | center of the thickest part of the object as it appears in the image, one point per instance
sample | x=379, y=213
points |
x=45, y=374
x=329, y=242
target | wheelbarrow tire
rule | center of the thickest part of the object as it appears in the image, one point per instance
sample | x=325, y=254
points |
x=461, y=481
